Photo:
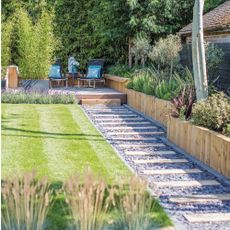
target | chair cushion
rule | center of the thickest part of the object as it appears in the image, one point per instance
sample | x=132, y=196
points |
x=55, y=71
x=94, y=71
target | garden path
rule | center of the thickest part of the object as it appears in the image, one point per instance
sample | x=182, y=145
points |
x=194, y=195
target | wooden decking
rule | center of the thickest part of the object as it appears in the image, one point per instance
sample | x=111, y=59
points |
x=102, y=94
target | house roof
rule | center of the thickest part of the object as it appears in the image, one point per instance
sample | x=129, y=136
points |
x=219, y=18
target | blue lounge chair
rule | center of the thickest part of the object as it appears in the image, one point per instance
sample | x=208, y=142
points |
x=55, y=74
x=94, y=73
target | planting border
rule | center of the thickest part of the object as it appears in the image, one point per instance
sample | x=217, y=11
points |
x=209, y=147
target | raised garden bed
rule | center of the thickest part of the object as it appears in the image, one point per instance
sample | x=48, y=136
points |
x=151, y=106
x=208, y=146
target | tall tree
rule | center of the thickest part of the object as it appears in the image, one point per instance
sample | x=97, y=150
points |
x=198, y=52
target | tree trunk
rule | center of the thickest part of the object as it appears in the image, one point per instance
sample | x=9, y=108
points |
x=198, y=52
x=143, y=61
x=130, y=54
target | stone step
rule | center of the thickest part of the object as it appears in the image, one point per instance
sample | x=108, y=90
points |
x=126, y=123
x=134, y=138
x=114, y=115
x=189, y=183
x=200, y=198
x=146, y=145
x=120, y=119
x=170, y=171
x=130, y=128
x=136, y=133
x=93, y=102
x=207, y=217
x=159, y=161
x=142, y=153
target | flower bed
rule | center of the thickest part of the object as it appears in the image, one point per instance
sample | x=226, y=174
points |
x=208, y=146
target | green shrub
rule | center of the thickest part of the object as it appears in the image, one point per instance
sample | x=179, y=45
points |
x=226, y=130
x=214, y=113
x=167, y=90
x=37, y=98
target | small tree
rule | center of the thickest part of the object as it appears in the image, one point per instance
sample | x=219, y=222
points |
x=198, y=52
x=166, y=52
x=140, y=48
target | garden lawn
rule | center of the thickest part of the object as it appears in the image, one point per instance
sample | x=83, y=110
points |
x=55, y=140
x=58, y=141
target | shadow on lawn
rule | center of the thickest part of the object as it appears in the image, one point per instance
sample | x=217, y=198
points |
x=43, y=134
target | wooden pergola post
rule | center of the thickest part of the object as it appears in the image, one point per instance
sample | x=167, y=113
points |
x=12, y=77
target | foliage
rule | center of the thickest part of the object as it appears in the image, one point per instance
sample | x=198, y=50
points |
x=140, y=48
x=214, y=113
x=184, y=102
x=6, y=43
x=167, y=89
x=25, y=97
x=25, y=202
x=166, y=52
x=226, y=130
x=156, y=82
x=214, y=56
x=143, y=81
x=92, y=29
x=135, y=207
x=29, y=45
x=122, y=70
x=88, y=201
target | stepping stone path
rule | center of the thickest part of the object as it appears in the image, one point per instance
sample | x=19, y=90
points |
x=194, y=196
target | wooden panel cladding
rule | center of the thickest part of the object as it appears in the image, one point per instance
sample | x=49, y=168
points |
x=207, y=146
x=151, y=106
x=118, y=83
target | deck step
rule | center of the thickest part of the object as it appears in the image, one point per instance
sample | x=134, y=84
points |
x=92, y=102
x=170, y=171
x=135, y=133
x=207, y=217
x=143, y=153
x=189, y=183
x=200, y=198
x=159, y=161
x=142, y=145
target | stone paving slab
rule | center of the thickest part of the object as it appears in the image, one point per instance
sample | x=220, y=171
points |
x=200, y=198
x=135, y=133
x=141, y=145
x=127, y=123
x=189, y=183
x=159, y=161
x=130, y=128
x=170, y=171
x=208, y=217
x=120, y=119
x=115, y=115
x=134, y=138
x=142, y=153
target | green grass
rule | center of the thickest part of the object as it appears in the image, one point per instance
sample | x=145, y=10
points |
x=55, y=140
x=58, y=141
